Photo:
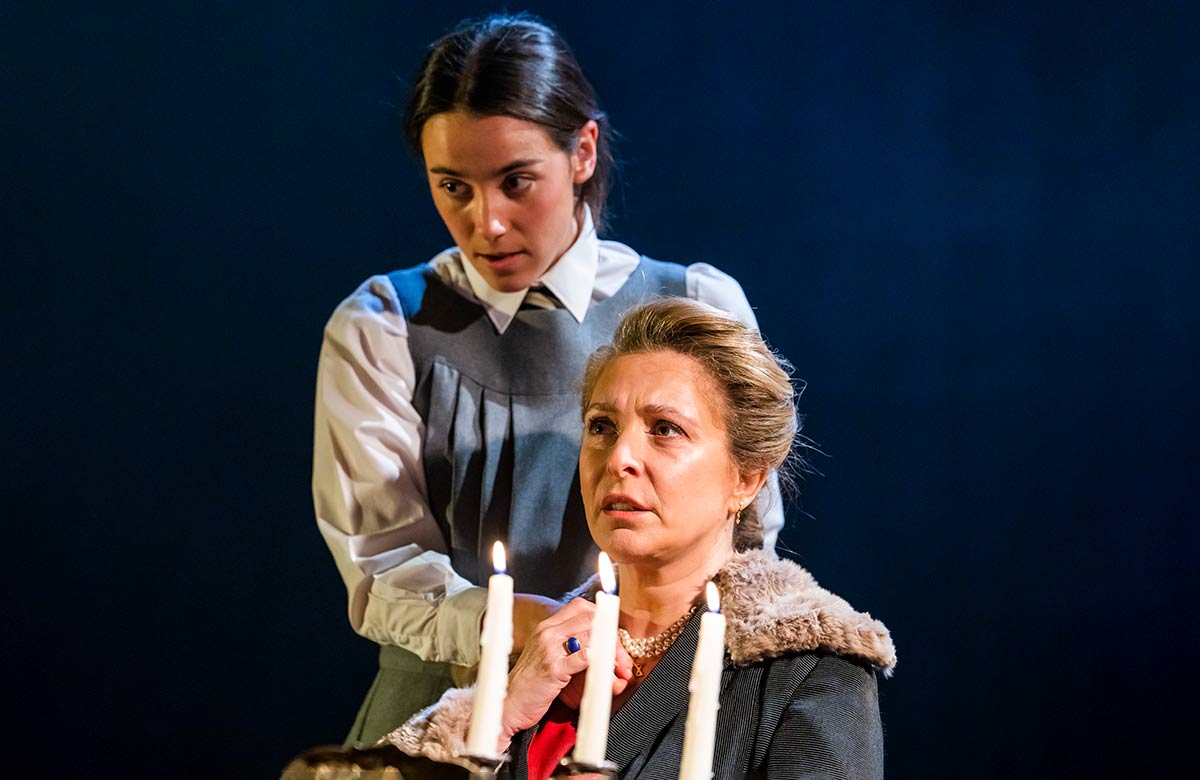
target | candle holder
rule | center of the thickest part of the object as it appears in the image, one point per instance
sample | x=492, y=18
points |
x=483, y=767
x=570, y=769
x=381, y=762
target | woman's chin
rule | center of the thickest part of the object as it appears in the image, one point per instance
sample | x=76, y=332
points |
x=625, y=545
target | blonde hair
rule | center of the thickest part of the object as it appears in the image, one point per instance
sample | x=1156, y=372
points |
x=757, y=398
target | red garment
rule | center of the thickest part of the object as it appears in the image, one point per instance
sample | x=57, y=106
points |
x=554, y=739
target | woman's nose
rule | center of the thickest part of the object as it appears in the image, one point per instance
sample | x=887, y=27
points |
x=490, y=219
x=626, y=459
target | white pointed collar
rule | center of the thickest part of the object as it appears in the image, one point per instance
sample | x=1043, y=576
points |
x=571, y=279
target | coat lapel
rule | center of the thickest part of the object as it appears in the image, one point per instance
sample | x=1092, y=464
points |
x=654, y=705
x=518, y=752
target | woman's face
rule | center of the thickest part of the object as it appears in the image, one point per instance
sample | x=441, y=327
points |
x=506, y=192
x=658, y=482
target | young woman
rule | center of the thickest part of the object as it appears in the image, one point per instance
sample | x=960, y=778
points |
x=446, y=392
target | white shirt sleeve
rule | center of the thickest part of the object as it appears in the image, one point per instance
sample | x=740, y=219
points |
x=717, y=288
x=369, y=487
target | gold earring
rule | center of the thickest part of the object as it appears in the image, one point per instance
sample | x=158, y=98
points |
x=737, y=519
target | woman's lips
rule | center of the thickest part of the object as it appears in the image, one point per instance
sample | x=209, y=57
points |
x=496, y=258
x=622, y=506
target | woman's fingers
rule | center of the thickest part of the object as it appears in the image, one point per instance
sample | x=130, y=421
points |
x=560, y=653
x=572, y=694
x=540, y=674
x=561, y=657
x=569, y=612
x=624, y=663
x=553, y=644
x=575, y=663
x=622, y=670
x=528, y=612
x=548, y=664
x=556, y=638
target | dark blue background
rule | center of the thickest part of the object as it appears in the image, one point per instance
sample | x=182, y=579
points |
x=972, y=228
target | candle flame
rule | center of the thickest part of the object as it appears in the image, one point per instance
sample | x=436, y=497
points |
x=714, y=598
x=608, y=579
x=499, y=562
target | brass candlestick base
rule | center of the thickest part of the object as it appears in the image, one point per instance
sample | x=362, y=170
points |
x=484, y=767
x=570, y=769
x=386, y=762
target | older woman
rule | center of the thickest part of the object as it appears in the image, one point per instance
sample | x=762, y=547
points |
x=684, y=416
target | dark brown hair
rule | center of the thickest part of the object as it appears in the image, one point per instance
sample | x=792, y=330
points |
x=518, y=66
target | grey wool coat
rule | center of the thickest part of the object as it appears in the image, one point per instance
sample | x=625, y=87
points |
x=798, y=692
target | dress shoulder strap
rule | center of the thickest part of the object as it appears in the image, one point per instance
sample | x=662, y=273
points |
x=410, y=284
x=669, y=278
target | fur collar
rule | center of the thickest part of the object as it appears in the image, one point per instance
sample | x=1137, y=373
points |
x=774, y=606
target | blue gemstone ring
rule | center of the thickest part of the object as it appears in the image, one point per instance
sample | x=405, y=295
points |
x=572, y=645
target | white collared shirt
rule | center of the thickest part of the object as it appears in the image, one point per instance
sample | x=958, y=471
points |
x=368, y=480
x=572, y=278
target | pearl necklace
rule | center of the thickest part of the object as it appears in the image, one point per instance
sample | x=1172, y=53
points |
x=653, y=646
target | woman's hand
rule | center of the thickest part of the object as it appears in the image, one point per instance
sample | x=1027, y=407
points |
x=546, y=669
x=528, y=611
x=572, y=694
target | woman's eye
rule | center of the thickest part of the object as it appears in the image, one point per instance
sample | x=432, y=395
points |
x=455, y=189
x=515, y=185
x=665, y=428
x=600, y=426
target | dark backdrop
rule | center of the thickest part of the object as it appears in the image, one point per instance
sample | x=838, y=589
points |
x=972, y=228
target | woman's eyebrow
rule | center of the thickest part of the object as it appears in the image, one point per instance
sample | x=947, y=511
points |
x=666, y=410
x=507, y=169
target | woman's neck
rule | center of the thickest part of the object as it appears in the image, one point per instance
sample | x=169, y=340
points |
x=653, y=596
x=576, y=232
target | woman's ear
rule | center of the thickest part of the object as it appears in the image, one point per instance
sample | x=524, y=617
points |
x=747, y=487
x=583, y=157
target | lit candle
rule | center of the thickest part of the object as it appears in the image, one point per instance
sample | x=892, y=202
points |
x=495, y=643
x=705, y=687
x=591, y=737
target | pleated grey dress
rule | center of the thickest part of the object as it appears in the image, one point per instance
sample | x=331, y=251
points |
x=500, y=450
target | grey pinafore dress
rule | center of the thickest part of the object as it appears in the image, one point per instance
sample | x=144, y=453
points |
x=500, y=450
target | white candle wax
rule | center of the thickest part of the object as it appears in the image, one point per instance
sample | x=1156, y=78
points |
x=591, y=737
x=705, y=688
x=495, y=643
